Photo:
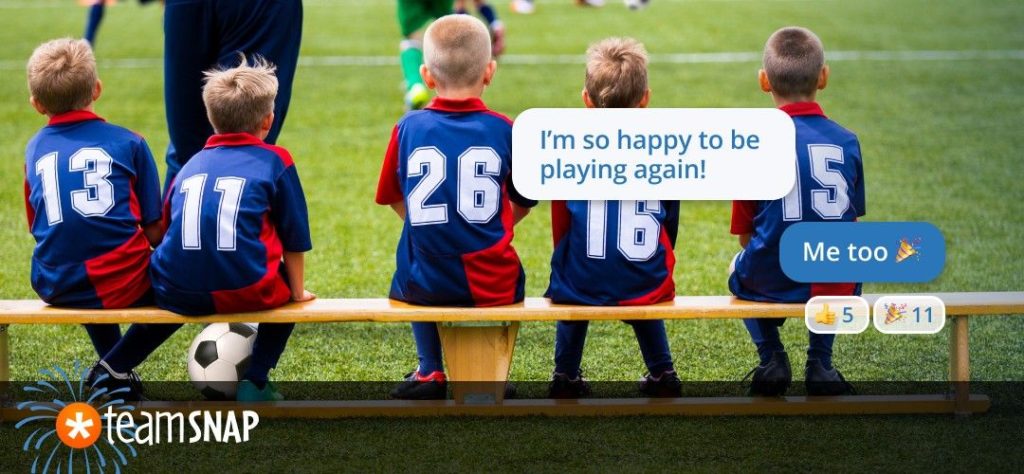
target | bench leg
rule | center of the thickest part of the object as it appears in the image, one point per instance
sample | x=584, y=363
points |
x=960, y=365
x=477, y=358
x=5, y=355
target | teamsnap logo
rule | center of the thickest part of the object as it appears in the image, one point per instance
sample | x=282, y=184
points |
x=77, y=427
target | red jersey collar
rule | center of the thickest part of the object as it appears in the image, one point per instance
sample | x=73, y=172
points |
x=233, y=139
x=802, y=108
x=73, y=117
x=472, y=104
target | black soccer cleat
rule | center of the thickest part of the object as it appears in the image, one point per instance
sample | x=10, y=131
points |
x=825, y=382
x=433, y=386
x=771, y=379
x=666, y=385
x=127, y=387
x=562, y=386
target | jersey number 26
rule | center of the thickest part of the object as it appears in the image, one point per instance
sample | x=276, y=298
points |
x=478, y=189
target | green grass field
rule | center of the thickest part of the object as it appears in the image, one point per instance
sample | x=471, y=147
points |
x=941, y=140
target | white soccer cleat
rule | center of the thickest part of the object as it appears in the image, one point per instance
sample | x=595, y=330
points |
x=636, y=4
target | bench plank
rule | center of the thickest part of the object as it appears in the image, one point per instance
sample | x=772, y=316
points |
x=533, y=309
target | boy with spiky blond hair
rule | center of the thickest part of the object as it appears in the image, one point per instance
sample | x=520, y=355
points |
x=238, y=229
x=829, y=187
x=614, y=252
x=92, y=193
x=447, y=174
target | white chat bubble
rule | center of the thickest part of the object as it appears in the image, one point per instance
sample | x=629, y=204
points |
x=670, y=154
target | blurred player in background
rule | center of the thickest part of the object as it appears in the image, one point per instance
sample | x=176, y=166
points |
x=204, y=34
x=95, y=16
x=414, y=16
x=490, y=17
x=526, y=7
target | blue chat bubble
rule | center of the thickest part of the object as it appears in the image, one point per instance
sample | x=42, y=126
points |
x=835, y=252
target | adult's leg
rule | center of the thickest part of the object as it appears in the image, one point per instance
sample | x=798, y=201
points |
x=189, y=49
x=268, y=28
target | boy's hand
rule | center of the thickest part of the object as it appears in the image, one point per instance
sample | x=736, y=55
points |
x=305, y=296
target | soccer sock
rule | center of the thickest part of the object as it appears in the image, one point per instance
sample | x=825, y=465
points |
x=271, y=339
x=765, y=335
x=412, y=58
x=103, y=336
x=428, y=347
x=92, y=22
x=570, y=336
x=820, y=348
x=138, y=343
x=653, y=345
x=488, y=13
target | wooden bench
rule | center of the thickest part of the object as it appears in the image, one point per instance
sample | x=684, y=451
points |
x=478, y=345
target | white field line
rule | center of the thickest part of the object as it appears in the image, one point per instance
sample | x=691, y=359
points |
x=557, y=59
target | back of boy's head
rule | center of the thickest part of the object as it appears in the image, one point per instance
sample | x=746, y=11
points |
x=793, y=59
x=62, y=75
x=239, y=98
x=457, y=50
x=616, y=73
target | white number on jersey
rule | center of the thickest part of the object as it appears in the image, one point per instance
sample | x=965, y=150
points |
x=639, y=230
x=478, y=190
x=230, y=190
x=832, y=183
x=97, y=199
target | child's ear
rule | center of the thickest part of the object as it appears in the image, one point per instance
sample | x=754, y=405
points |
x=492, y=67
x=762, y=78
x=586, y=99
x=823, y=77
x=97, y=90
x=36, y=105
x=645, y=100
x=267, y=122
x=428, y=79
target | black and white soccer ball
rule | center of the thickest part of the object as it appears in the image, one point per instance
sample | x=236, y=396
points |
x=219, y=357
x=636, y=4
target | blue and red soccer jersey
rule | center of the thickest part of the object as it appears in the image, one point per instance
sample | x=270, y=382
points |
x=234, y=208
x=613, y=252
x=89, y=185
x=451, y=164
x=830, y=187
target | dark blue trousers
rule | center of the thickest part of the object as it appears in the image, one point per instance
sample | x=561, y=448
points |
x=570, y=336
x=202, y=34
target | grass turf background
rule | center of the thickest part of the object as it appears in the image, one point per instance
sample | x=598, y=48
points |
x=941, y=143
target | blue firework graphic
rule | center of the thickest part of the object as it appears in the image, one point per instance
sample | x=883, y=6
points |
x=54, y=392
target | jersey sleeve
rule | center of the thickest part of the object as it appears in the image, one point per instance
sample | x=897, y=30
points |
x=743, y=217
x=147, y=184
x=671, y=223
x=389, y=190
x=30, y=211
x=560, y=220
x=514, y=196
x=859, y=201
x=289, y=214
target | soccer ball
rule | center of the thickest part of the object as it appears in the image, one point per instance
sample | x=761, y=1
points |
x=636, y=4
x=218, y=358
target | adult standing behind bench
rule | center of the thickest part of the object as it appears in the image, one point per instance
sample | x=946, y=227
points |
x=202, y=34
